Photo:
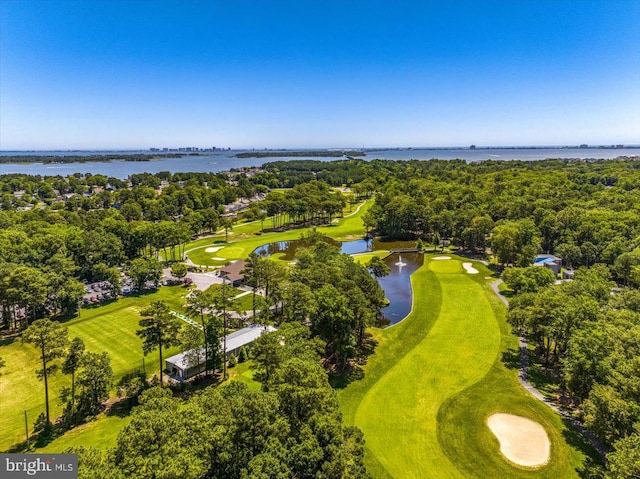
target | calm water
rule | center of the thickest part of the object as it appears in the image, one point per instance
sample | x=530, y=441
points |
x=224, y=161
x=290, y=248
x=397, y=285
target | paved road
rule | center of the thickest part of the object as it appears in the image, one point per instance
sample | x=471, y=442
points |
x=524, y=382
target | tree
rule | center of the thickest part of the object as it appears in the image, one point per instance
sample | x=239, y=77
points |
x=214, y=353
x=227, y=224
x=71, y=364
x=220, y=306
x=515, y=242
x=253, y=276
x=179, y=270
x=624, y=461
x=334, y=322
x=589, y=253
x=111, y=275
x=378, y=267
x=570, y=253
x=159, y=329
x=528, y=280
x=50, y=338
x=192, y=340
x=94, y=381
x=29, y=287
x=143, y=270
x=298, y=302
x=624, y=264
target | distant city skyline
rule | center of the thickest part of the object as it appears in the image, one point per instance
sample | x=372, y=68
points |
x=281, y=74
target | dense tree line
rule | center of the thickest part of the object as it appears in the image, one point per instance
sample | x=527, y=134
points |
x=304, y=204
x=46, y=159
x=298, y=154
x=292, y=427
x=592, y=339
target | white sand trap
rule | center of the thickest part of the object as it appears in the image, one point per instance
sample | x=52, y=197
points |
x=442, y=257
x=213, y=249
x=469, y=268
x=522, y=441
x=217, y=258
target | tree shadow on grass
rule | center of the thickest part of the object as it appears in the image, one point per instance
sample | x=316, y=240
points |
x=511, y=358
x=123, y=407
x=341, y=380
x=592, y=467
x=7, y=340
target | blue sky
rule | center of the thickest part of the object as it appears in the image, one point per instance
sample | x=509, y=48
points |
x=109, y=74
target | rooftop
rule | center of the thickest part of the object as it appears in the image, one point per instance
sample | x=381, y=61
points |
x=235, y=340
x=233, y=271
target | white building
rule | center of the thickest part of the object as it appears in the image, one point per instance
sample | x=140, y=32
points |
x=189, y=363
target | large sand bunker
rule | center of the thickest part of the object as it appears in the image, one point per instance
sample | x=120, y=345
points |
x=469, y=268
x=442, y=257
x=522, y=441
x=213, y=249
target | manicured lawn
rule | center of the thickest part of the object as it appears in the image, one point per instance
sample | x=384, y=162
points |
x=101, y=433
x=436, y=377
x=111, y=328
x=348, y=228
x=364, y=258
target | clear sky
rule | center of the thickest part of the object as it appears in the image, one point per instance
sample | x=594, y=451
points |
x=110, y=74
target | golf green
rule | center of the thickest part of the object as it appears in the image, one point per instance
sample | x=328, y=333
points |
x=434, y=379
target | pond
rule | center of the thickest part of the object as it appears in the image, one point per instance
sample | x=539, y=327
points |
x=396, y=286
x=290, y=248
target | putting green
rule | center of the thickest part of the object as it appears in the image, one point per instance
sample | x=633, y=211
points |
x=437, y=376
x=446, y=266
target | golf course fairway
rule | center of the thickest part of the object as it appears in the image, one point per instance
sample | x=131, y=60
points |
x=436, y=377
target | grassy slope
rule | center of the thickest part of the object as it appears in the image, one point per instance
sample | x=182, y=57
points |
x=349, y=227
x=108, y=328
x=434, y=379
x=101, y=433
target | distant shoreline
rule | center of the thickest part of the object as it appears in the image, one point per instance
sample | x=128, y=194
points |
x=300, y=154
x=52, y=159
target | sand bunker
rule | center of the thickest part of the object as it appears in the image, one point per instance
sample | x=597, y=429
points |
x=217, y=258
x=442, y=257
x=522, y=441
x=213, y=249
x=469, y=268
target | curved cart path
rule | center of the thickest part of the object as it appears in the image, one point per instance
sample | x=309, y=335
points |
x=524, y=382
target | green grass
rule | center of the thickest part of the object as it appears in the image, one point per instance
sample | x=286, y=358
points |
x=244, y=241
x=434, y=379
x=111, y=328
x=364, y=258
x=243, y=373
x=101, y=433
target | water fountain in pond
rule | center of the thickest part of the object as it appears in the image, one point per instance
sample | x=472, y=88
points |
x=400, y=263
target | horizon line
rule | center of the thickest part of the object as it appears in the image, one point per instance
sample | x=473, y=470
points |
x=153, y=149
